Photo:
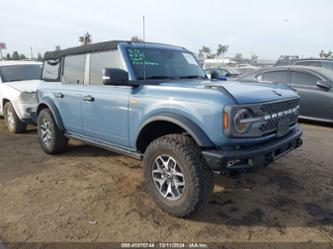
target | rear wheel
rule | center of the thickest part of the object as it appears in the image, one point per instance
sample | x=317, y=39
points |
x=176, y=175
x=13, y=122
x=51, y=138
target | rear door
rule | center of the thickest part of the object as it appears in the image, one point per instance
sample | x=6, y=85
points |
x=280, y=76
x=105, y=107
x=315, y=101
x=69, y=94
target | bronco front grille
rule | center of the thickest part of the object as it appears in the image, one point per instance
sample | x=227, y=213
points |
x=279, y=106
x=275, y=112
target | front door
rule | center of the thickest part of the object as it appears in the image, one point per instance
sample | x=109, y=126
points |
x=105, y=108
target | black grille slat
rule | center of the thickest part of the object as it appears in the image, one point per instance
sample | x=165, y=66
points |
x=277, y=107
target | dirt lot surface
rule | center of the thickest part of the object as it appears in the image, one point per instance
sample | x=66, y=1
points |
x=89, y=194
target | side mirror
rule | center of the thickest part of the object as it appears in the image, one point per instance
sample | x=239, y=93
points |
x=115, y=76
x=323, y=85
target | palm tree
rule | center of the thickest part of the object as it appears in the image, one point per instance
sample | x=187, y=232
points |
x=204, y=52
x=221, y=50
x=86, y=39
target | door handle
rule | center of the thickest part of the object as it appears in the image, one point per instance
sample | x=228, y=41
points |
x=58, y=95
x=88, y=98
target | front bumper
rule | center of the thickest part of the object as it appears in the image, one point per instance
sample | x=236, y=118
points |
x=254, y=156
x=27, y=112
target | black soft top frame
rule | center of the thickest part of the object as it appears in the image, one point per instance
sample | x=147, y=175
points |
x=101, y=46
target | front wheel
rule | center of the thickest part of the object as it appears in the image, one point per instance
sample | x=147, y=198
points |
x=176, y=175
x=13, y=122
x=51, y=138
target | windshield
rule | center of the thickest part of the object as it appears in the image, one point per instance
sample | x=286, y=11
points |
x=20, y=72
x=163, y=64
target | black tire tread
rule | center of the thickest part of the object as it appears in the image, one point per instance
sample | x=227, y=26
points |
x=59, y=141
x=19, y=126
x=203, y=176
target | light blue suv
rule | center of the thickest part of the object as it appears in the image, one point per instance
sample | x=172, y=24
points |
x=153, y=102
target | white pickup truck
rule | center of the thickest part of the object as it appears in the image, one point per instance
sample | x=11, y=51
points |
x=19, y=81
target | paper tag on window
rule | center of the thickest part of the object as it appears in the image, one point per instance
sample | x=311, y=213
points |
x=189, y=58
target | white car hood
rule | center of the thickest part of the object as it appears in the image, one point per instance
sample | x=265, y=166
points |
x=25, y=85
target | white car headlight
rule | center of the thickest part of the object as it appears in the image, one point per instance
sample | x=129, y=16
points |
x=28, y=97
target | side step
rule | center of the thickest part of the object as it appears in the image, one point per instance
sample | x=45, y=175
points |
x=106, y=146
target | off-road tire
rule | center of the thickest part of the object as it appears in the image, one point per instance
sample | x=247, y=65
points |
x=17, y=125
x=199, y=179
x=58, y=142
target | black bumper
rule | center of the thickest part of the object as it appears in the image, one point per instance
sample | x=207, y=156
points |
x=254, y=156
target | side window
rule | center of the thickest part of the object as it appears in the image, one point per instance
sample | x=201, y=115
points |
x=300, y=78
x=74, y=69
x=101, y=60
x=278, y=76
x=51, y=70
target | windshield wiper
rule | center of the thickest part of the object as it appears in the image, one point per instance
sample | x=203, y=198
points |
x=192, y=77
x=156, y=78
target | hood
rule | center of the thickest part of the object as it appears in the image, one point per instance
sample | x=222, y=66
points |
x=242, y=93
x=247, y=93
x=25, y=85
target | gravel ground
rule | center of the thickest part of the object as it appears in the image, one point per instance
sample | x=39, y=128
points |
x=89, y=194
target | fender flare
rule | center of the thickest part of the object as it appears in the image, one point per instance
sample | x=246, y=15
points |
x=199, y=136
x=50, y=105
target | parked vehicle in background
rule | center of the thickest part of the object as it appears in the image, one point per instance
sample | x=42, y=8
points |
x=313, y=84
x=325, y=63
x=224, y=73
x=153, y=102
x=246, y=69
x=19, y=81
x=285, y=60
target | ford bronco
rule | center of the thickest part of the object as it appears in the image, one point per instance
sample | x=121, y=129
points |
x=153, y=102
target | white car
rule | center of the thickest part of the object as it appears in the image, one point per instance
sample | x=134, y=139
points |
x=19, y=81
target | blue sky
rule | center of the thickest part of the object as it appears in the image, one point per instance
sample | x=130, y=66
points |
x=266, y=28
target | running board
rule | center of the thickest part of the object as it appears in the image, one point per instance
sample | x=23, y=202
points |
x=106, y=146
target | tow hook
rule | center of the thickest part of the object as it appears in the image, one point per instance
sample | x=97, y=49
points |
x=299, y=143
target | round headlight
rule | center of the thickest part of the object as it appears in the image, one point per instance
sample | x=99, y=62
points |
x=240, y=124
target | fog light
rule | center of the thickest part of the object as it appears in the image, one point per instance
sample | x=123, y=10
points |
x=28, y=110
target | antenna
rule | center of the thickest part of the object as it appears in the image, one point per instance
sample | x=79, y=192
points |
x=144, y=46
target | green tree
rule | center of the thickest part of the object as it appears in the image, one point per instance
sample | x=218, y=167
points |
x=8, y=57
x=205, y=52
x=22, y=57
x=323, y=54
x=222, y=50
x=238, y=58
x=86, y=39
x=15, y=56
